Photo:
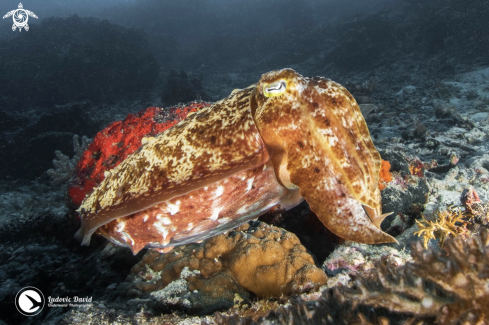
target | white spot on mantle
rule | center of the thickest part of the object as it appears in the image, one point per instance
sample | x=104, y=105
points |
x=121, y=226
x=249, y=183
x=219, y=191
x=224, y=220
x=166, y=221
x=427, y=302
x=215, y=213
x=162, y=230
x=173, y=208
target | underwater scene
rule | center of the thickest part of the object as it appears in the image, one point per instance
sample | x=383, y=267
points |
x=244, y=162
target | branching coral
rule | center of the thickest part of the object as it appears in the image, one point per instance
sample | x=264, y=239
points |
x=80, y=147
x=444, y=226
x=65, y=166
x=452, y=222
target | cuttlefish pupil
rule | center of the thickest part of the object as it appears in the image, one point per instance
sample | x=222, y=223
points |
x=274, y=88
x=190, y=182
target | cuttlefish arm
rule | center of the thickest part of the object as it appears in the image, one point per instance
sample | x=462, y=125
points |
x=320, y=144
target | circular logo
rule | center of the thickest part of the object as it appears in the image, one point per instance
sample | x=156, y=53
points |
x=29, y=301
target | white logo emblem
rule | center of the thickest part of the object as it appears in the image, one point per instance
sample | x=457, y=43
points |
x=20, y=17
x=29, y=301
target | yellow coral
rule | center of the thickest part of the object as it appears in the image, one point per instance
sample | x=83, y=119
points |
x=442, y=227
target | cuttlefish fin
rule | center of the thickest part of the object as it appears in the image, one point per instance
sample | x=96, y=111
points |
x=374, y=215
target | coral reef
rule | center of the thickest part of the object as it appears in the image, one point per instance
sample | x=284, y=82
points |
x=404, y=190
x=118, y=140
x=400, y=62
x=253, y=258
x=446, y=287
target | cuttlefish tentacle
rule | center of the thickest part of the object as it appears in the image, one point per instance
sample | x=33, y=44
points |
x=319, y=143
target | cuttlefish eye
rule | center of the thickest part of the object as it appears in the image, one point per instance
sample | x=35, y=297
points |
x=274, y=88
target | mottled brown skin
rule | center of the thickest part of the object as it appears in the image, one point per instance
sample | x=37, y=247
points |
x=312, y=136
x=319, y=142
x=209, y=145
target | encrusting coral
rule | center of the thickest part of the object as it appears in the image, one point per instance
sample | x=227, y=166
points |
x=474, y=207
x=258, y=258
x=384, y=176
